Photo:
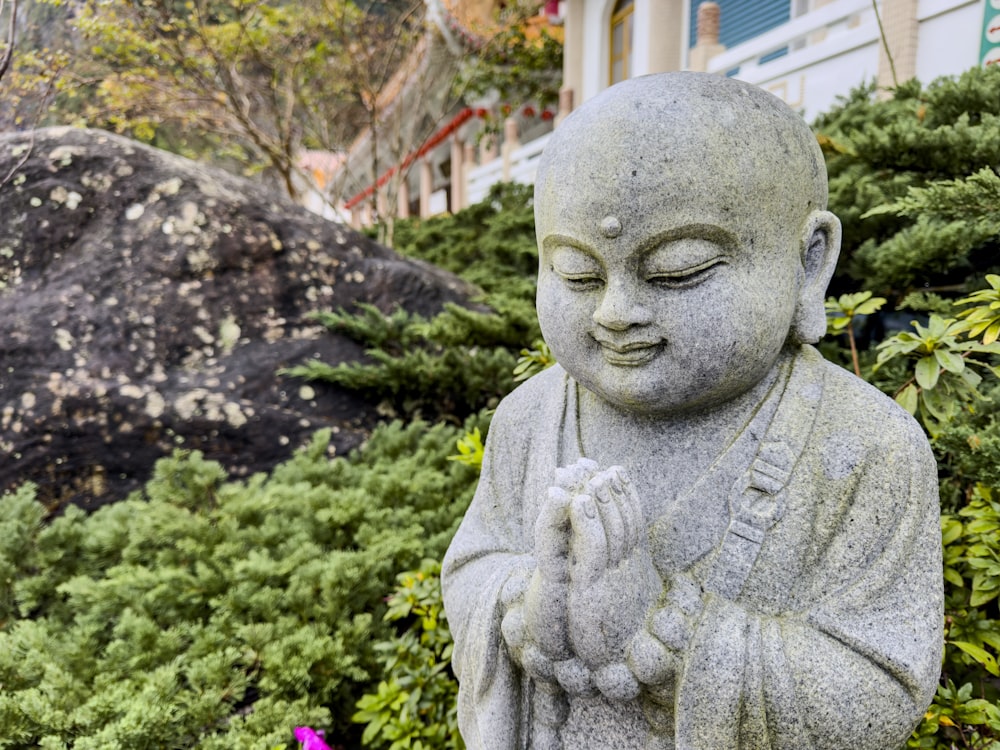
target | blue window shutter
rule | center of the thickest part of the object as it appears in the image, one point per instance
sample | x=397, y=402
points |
x=743, y=19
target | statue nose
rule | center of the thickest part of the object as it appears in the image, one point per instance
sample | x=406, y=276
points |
x=620, y=309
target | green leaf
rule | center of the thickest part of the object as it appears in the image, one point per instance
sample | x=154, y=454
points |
x=951, y=529
x=870, y=306
x=940, y=406
x=980, y=654
x=954, y=578
x=908, y=398
x=982, y=526
x=949, y=360
x=978, y=599
x=992, y=333
x=927, y=372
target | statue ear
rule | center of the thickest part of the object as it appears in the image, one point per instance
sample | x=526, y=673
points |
x=820, y=246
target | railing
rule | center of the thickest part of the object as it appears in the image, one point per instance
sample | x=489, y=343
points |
x=815, y=46
x=833, y=21
x=519, y=166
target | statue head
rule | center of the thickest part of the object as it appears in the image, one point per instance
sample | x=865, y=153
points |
x=683, y=240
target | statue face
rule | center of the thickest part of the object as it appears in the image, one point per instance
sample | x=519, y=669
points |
x=668, y=306
x=682, y=238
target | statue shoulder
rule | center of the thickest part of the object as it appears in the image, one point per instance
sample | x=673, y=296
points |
x=868, y=412
x=534, y=397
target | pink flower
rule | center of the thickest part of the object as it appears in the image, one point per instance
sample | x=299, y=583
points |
x=310, y=739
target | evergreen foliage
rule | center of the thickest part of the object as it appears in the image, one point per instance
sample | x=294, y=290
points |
x=913, y=179
x=460, y=361
x=491, y=244
x=207, y=613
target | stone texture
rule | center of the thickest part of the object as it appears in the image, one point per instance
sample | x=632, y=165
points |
x=148, y=302
x=694, y=532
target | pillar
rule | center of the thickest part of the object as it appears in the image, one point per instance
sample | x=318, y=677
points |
x=666, y=40
x=426, y=187
x=510, y=144
x=573, y=17
x=707, y=40
x=403, y=199
x=457, y=154
x=488, y=150
x=565, y=105
x=899, y=21
x=468, y=162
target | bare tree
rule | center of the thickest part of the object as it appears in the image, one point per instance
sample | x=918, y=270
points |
x=8, y=49
x=406, y=109
x=6, y=56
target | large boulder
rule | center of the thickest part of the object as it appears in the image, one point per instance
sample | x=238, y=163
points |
x=147, y=302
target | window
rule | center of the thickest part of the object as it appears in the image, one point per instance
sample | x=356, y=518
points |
x=621, y=41
x=742, y=20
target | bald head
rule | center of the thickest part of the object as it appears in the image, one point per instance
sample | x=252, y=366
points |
x=693, y=191
x=666, y=137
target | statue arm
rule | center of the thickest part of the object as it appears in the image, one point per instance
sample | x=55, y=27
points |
x=487, y=557
x=490, y=564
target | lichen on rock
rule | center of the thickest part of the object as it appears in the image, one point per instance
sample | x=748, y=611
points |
x=132, y=340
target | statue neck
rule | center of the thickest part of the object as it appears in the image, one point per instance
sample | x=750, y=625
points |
x=682, y=446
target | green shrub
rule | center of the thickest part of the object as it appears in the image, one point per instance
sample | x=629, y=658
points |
x=460, y=361
x=206, y=613
x=415, y=706
x=913, y=180
x=946, y=377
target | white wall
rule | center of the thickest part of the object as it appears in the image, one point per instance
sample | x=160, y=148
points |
x=949, y=37
x=811, y=78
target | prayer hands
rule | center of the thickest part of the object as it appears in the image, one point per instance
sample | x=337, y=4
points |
x=593, y=614
x=612, y=581
x=592, y=587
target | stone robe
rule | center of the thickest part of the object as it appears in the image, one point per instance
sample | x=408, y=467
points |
x=821, y=629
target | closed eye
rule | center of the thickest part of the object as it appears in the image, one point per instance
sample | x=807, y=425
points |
x=583, y=282
x=686, y=277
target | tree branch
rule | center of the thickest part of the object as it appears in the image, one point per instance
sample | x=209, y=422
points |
x=8, y=52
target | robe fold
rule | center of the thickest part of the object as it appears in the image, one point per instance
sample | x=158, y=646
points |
x=822, y=622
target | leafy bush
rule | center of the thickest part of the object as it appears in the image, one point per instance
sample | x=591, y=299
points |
x=206, y=613
x=912, y=221
x=945, y=379
x=415, y=707
x=913, y=179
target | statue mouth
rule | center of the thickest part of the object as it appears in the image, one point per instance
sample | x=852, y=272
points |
x=631, y=354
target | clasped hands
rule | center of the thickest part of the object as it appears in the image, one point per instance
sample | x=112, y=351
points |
x=594, y=614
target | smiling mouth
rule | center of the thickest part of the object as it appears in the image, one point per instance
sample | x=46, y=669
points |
x=629, y=355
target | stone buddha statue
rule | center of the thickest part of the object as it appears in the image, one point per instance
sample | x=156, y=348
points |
x=693, y=532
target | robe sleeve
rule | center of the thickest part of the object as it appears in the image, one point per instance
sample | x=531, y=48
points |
x=856, y=664
x=491, y=548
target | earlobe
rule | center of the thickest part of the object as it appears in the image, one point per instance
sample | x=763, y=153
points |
x=819, y=247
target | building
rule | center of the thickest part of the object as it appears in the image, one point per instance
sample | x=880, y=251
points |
x=416, y=161
x=808, y=52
